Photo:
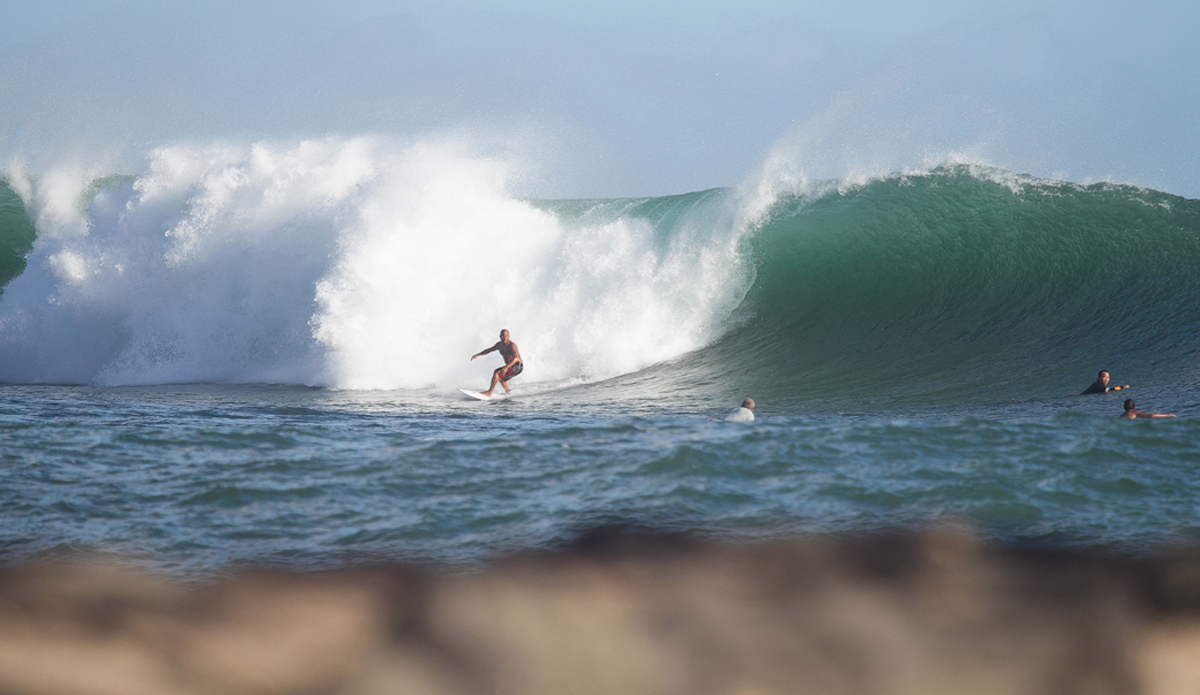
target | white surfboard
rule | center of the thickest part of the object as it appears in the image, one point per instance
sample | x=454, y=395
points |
x=483, y=397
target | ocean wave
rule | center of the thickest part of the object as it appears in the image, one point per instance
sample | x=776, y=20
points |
x=966, y=281
x=359, y=263
x=354, y=263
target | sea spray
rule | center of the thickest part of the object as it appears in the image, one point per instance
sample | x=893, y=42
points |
x=366, y=264
x=588, y=291
x=355, y=263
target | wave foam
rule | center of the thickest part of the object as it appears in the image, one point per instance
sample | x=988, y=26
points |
x=354, y=263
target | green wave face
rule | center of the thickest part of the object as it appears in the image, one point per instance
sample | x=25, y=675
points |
x=952, y=286
x=16, y=234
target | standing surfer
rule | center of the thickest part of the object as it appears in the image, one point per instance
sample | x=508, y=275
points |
x=512, y=362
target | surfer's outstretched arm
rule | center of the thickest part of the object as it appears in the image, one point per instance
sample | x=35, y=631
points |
x=1132, y=413
x=484, y=352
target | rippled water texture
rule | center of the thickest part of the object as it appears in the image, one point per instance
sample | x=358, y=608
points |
x=915, y=342
x=198, y=478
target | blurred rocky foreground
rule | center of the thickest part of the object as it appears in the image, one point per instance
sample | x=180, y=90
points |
x=625, y=613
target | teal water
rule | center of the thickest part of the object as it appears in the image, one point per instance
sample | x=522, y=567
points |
x=16, y=234
x=915, y=344
x=961, y=288
x=200, y=478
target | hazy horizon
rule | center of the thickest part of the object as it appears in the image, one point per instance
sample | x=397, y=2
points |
x=626, y=99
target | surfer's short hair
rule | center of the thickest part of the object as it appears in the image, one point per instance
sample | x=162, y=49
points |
x=1101, y=373
x=1129, y=405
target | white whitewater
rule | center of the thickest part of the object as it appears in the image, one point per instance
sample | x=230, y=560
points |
x=350, y=263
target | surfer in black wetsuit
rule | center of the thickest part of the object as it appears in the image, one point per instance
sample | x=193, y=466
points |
x=1132, y=413
x=1101, y=385
x=512, y=362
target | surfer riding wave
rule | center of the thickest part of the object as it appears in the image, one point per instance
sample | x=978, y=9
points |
x=513, y=365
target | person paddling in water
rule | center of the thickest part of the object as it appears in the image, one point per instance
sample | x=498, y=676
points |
x=1132, y=413
x=512, y=362
x=1100, y=385
x=742, y=414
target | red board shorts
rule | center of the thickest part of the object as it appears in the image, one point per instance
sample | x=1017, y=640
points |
x=507, y=373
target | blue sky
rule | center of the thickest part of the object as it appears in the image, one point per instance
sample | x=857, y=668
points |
x=623, y=98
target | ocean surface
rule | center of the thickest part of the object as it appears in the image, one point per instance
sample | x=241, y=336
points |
x=250, y=354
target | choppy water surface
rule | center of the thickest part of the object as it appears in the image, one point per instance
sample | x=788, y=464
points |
x=197, y=478
x=915, y=342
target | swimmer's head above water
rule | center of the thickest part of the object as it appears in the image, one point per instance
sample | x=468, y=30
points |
x=1132, y=413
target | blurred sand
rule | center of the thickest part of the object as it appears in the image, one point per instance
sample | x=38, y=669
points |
x=625, y=613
